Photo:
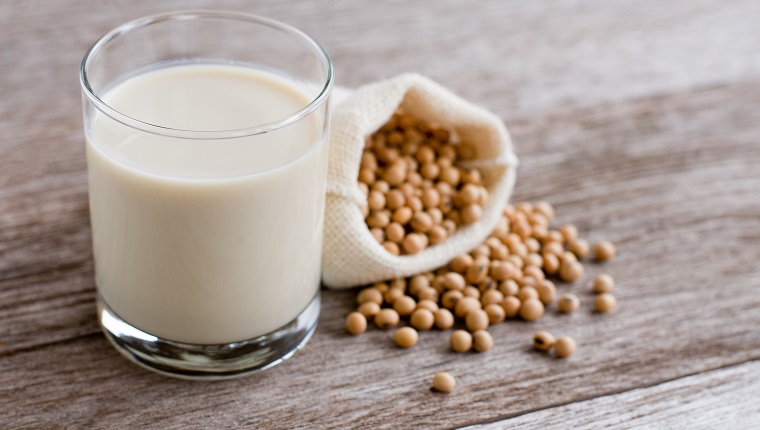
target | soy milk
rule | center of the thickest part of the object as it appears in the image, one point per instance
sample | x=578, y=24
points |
x=207, y=241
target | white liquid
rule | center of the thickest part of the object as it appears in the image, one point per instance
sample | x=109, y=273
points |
x=207, y=242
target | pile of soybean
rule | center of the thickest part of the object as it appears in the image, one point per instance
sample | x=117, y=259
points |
x=416, y=197
x=508, y=276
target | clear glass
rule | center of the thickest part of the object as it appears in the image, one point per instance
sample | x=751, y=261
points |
x=207, y=240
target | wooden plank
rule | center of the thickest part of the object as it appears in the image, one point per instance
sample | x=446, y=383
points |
x=722, y=398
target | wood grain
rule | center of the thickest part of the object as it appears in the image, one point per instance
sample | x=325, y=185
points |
x=638, y=120
x=721, y=398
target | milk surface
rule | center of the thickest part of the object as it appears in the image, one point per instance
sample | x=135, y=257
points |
x=207, y=241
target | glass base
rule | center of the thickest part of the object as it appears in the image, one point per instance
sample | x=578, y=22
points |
x=208, y=362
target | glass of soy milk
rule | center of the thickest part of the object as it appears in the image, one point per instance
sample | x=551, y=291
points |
x=206, y=140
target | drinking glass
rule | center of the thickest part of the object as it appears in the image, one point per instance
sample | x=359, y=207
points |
x=207, y=240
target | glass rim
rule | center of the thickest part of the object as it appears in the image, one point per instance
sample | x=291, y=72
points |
x=138, y=23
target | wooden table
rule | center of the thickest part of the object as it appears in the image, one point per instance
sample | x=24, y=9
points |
x=638, y=119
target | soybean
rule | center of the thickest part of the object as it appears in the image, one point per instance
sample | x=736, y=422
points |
x=386, y=318
x=482, y=341
x=422, y=319
x=564, y=347
x=605, y=302
x=604, y=251
x=460, y=341
x=443, y=382
x=444, y=319
x=531, y=309
x=568, y=303
x=603, y=284
x=356, y=323
x=543, y=340
x=405, y=337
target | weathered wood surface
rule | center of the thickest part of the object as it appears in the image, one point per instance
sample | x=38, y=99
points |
x=723, y=398
x=640, y=120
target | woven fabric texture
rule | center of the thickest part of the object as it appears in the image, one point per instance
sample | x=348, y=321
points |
x=351, y=256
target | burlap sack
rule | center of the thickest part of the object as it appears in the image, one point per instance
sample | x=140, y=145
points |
x=351, y=256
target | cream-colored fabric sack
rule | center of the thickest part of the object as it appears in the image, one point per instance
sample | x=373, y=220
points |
x=351, y=256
